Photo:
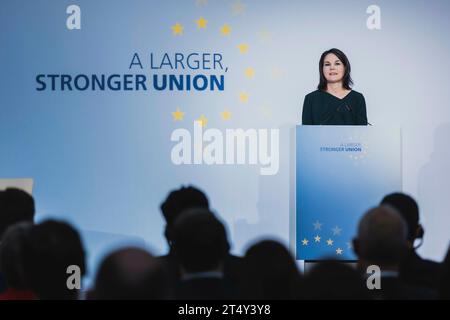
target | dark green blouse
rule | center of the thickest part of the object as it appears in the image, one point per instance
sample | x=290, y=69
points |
x=322, y=108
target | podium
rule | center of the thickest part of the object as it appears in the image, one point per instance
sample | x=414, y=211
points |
x=341, y=172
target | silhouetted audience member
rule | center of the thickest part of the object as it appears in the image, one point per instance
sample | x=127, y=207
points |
x=334, y=280
x=413, y=270
x=381, y=241
x=200, y=245
x=130, y=273
x=15, y=206
x=177, y=202
x=51, y=248
x=12, y=262
x=269, y=272
x=35, y=259
x=444, y=279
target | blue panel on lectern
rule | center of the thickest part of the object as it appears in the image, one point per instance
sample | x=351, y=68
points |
x=341, y=171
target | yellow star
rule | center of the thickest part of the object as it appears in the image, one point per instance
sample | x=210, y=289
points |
x=226, y=115
x=243, y=97
x=203, y=120
x=243, y=47
x=238, y=7
x=201, y=23
x=317, y=225
x=177, y=29
x=317, y=239
x=225, y=30
x=178, y=115
x=249, y=72
x=305, y=242
x=329, y=242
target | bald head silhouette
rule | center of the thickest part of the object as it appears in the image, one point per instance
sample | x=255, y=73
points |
x=382, y=235
x=130, y=273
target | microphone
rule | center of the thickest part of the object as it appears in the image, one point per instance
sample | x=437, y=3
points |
x=351, y=110
x=419, y=245
x=330, y=113
x=338, y=109
x=420, y=234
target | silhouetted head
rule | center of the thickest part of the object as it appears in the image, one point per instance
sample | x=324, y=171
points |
x=334, y=280
x=12, y=251
x=444, y=283
x=381, y=238
x=178, y=201
x=15, y=206
x=409, y=210
x=130, y=273
x=200, y=241
x=52, y=247
x=270, y=272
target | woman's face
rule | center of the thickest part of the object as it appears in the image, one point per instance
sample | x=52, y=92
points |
x=333, y=68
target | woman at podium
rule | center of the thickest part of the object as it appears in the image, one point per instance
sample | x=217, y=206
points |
x=334, y=102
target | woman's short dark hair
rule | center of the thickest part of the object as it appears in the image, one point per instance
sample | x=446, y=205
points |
x=347, y=81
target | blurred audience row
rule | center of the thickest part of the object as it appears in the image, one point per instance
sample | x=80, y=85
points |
x=34, y=259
